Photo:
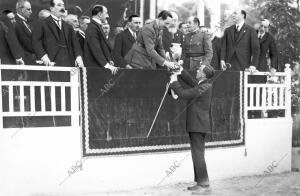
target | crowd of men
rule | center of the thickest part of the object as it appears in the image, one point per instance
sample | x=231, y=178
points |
x=61, y=39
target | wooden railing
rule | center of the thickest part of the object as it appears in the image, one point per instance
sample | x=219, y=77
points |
x=257, y=97
x=8, y=86
x=273, y=95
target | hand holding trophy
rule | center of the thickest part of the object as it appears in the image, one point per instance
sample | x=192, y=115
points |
x=176, y=52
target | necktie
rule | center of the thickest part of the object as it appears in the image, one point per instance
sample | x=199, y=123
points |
x=58, y=23
x=27, y=26
x=237, y=27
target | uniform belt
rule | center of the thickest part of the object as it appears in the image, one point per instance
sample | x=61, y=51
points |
x=194, y=54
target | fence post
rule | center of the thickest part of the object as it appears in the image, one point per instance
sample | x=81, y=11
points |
x=74, y=73
x=1, y=109
x=288, y=93
x=246, y=97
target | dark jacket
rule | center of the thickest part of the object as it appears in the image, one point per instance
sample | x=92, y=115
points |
x=24, y=35
x=80, y=39
x=97, y=50
x=198, y=105
x=267, y=50
x=168, y=38
x=245, y=47
x=45, y=40
x=216, y=59
x=123, y=44
x=10, y=49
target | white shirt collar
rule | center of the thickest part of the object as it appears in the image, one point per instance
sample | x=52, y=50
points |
x=261, y=35
x=240, y=24
x=55, y=18
x=81, y=31
x=131, y=31
x=97, y=21
x=23, y=18
x=200, y=81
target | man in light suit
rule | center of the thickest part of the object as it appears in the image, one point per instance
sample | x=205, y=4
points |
x=24, y=30
x=240, y=47
x=55, y=41
x=125, y=40
x=148, y=50
x=198, y=95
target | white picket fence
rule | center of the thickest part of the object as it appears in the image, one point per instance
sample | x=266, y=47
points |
x=262, y=97
x=73, y=84
x=268, y=96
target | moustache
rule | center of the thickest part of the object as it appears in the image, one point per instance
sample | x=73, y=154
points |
x=62, y=10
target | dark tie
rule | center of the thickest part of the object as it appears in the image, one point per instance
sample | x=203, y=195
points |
x=27, y=25
x=237, y=28
x=58, y=23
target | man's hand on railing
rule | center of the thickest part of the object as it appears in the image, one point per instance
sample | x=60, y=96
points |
x=47, y=61
x=273, y=71
x=112, y=68
x=79, y=62
x=20, y=61
x=251, y=69
x=128, y=66
x=223, y=65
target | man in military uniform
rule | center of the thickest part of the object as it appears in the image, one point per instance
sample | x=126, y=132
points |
x=197, y=48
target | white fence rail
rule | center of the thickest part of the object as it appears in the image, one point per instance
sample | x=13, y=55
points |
x=257, y=97
x=273, y=95
x=8, y=86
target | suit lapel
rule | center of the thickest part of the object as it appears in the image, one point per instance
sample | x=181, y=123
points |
x=242, y=33
x=65, y=29
x=231, y=31
x=102, y=33
x=156, y=29
x=53, y=27
x=20, y=21
x=129, y=35
x=264, y=38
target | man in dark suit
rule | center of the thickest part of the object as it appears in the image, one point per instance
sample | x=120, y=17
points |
x=10, y=15
x=80, y=33
x=24, y=30
x=240, y=46
x=55, y=41
x=268, y=49
x=97, y=50
x=216, y=46
x=125, y=40
x=148, y=50
x=198, y=125
x=10, y=49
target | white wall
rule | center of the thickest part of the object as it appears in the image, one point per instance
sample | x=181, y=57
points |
x=37, y=160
